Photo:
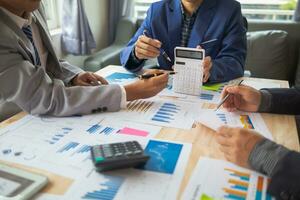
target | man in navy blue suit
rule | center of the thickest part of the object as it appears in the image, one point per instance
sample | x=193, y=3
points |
x=214, y=25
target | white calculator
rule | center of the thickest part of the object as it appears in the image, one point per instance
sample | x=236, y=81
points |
x=189, y=70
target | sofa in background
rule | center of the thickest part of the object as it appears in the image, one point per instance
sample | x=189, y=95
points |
x=273, y=49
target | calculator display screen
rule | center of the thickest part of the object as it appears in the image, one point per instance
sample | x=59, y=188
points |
x=189, y=54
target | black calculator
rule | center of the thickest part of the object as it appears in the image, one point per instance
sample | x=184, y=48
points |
x=118, y=155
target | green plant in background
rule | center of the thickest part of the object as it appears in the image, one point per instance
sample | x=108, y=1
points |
x=290, y=5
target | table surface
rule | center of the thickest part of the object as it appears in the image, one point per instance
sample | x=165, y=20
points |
x=282, y=127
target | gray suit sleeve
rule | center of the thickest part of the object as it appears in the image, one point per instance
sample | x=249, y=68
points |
x=68, y=71
x=34, y=91
x=265, y=156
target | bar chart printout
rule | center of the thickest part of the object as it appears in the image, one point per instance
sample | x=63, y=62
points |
x=162, y=113
x=107, y=190
x=228, y=182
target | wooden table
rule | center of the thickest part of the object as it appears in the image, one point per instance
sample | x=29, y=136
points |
x=283, y=128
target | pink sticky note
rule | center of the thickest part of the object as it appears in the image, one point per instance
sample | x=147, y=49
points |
x=131, y=131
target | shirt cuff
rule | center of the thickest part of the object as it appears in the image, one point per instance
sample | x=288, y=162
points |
x=123, y=98
x=265, y=156
x=134, y=58
x=266, y=100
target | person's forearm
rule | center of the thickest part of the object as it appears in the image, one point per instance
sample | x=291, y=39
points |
x=265, y=156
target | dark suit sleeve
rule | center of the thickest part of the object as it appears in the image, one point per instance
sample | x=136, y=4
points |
x=285, y=181
x=127, y=59
x=285, y=101
x=229, y=63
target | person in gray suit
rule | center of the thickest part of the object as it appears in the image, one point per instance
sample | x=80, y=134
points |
x=33, y=79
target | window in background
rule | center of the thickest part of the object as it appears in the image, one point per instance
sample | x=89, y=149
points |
x=253, y=9
x=52, y=14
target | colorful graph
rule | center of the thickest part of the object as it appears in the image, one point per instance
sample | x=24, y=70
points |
x=239, y=184
x=108, y=190
x=260, y=189
x=166, y=113
x=59, y=135
x=139, y=106
x=163, y=156
x=246, y=121
x=119, y=77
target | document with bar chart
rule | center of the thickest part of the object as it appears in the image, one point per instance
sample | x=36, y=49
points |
x=159, y=179
x=216, y=179
x=214, y=119
x=160, y=112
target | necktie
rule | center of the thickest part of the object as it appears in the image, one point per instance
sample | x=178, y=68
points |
x=28, y=32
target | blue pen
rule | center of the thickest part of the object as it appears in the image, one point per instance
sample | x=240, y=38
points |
x=163, y=53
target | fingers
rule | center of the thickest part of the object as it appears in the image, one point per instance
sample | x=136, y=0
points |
x=149, y=41
x=161, y=79
x=101, y=79
x=147, y=48
x=206, y=68
x=83, y=83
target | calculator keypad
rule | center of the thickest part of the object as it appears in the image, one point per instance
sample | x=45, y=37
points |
x=110, y=151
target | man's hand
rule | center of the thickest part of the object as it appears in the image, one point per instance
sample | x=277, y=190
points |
x=88, y=79
x=207, y=65
x=142, y=89
x=237, y=144
x=147, y=48
x=242, y=98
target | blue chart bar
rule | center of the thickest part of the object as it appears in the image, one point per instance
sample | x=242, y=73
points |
x=163, y=156
x=68, y=147
x=222, y=117
x=112, y=186
x=234, y=197
x=107, y=130
x=93, y=129
x=84, y=149
x=59, y=135
x=205, y=96
x=166, y=113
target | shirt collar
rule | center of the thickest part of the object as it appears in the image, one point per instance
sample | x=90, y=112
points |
x=184, y=13
x=20, y=21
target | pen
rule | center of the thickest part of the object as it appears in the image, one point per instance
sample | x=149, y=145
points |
x=226, y=97
x=147, y=76
x=209, y=41
x=163, y=53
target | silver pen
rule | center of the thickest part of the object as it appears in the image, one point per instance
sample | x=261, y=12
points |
x=226, y=97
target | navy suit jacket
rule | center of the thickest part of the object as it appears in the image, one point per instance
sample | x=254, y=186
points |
x=216, y=19
x=285, y=182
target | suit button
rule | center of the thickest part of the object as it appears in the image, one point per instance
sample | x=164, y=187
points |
x=104, y=109
x=284, y=195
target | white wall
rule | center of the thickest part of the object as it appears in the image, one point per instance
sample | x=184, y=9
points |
x=97, y=13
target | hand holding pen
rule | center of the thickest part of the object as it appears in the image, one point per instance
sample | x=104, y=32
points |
x=148, y=48
x=241, y=97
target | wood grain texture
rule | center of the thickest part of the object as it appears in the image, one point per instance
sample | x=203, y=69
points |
x=203, y=139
